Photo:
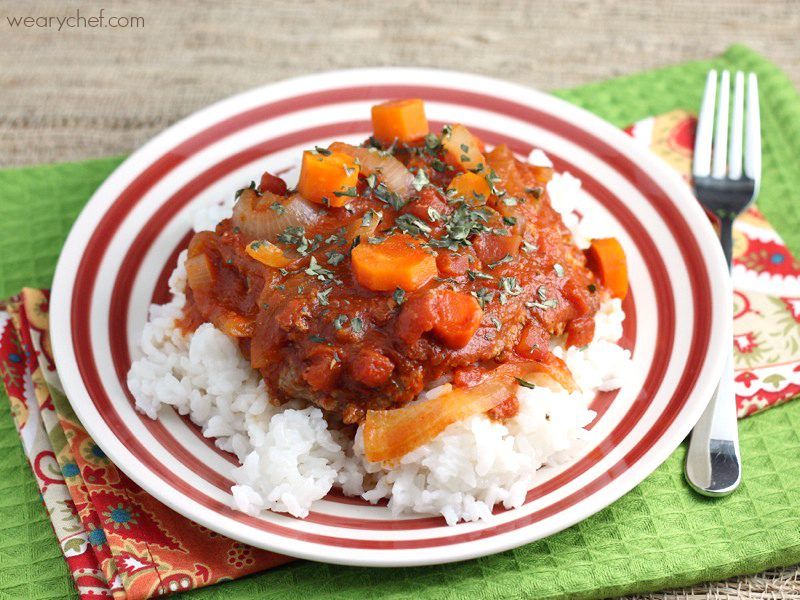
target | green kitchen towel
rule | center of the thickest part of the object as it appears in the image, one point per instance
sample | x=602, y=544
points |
x=659, y=535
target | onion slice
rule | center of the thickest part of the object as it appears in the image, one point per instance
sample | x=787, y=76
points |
x=390, y=434
x=200, y=272
x=265, y=216
x=392, y=173
x=267, y=254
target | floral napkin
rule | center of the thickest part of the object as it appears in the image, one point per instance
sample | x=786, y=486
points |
x=120, y=542
x=117, y=540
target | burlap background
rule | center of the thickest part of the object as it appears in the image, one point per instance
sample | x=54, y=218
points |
x=90, y=92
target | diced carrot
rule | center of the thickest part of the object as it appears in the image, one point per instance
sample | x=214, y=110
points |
x=328, y=179
x=502, y=161
x=472, y=187
x=606, y=259
x=399, y=261
x=458, y=318
x=402, y=120
x=462, y=149
x=267, y=254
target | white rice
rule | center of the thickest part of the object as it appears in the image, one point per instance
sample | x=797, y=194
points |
x=289, y=458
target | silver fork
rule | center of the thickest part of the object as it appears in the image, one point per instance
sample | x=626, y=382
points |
x=713, y=463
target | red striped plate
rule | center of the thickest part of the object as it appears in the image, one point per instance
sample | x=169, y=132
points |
x=124, y=243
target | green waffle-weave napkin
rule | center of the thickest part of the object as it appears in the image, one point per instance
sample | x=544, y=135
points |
x=659, y=535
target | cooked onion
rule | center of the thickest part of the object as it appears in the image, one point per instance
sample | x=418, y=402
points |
x=200, y=272
x=268, y=254
x=394, y=174
x=231, y=323
x=260, y=217
x=390, y=434
x=357, y=229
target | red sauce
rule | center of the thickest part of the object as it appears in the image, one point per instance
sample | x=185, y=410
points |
x=316, y=334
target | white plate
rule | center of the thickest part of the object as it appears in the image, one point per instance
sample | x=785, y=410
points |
x=124, y=244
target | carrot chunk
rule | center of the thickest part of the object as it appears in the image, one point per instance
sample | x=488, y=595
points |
x=459, y=316
x=399, y=261
x=401, y=120
x=471, y=187
x=328, y=179
x=606, y=259
x=505, y=166
x=463, y=149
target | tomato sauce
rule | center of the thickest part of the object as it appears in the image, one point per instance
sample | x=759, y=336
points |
x=508, y=279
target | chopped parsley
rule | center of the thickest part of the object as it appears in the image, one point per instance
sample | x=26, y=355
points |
x=496, y=322
x=322, y=297
x=420, y=180
x=524, y=383
x=350, y=192
x=460, y=225
x=322, y=151
x=541, y=292
x=412, y=225
x=510, y=286
x=278, y=207
x=432, y=142
x=484, y=296
x=357, y=325
x=334, y=257
x=238, y=193
x=339, y=321
x=473, y=275
x=592, y=287
x=551, y=303
x=318, y=339
x=535, y=192
x=383, y=194
x=399, y=296
x=507, y=258
x=316, y=270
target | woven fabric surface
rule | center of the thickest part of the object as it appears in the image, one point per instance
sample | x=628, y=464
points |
x=660, y=535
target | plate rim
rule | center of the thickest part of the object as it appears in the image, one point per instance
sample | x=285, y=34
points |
x=667, y=442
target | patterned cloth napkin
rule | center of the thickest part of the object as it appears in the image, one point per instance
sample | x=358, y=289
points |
x=120, y=542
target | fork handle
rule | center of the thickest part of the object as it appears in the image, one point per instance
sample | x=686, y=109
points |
x=713, y=463
x=726, y=237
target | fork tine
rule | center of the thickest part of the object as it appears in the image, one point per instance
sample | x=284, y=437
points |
x=752, y=152
x=735, y=145
x=720, y=158
x=701, y=165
